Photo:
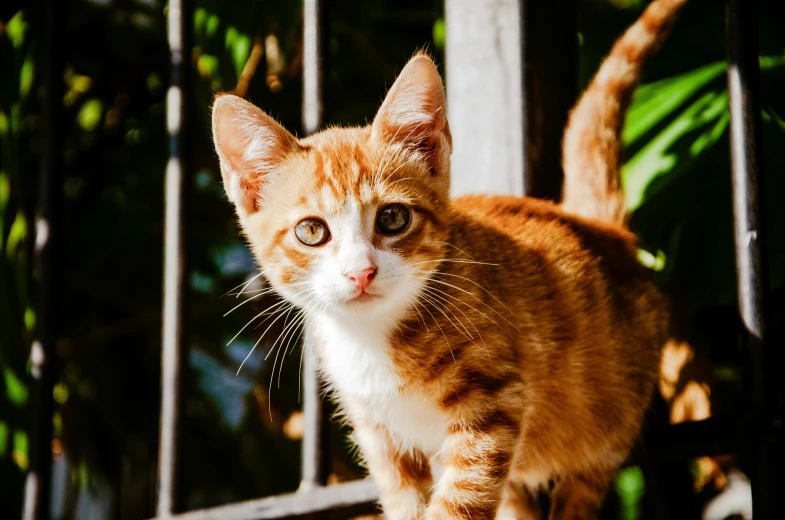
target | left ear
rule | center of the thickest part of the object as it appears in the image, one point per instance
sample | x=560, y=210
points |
x=414, y=113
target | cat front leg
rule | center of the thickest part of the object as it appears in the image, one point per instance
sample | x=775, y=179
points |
x=403, y=476
x=477, y=459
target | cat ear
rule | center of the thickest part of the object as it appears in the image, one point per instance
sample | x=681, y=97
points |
x=250, y=144
x=415, y=112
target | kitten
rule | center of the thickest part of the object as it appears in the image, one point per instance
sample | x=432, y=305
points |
x=497, y=343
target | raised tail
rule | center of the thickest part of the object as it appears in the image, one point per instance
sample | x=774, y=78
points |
x=592, y=140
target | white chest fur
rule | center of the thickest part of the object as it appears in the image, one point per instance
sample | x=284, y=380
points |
x=357, y=363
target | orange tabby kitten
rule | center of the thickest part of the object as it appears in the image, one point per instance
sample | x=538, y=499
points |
x=480, y=347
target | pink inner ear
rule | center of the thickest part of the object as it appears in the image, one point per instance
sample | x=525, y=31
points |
x=248, y=139
x=414, y=110
x=250, y=144
x=230, y=139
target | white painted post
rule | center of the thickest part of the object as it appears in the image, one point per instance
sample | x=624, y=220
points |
x=484, y=95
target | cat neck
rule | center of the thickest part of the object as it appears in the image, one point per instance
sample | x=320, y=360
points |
x=355, y=355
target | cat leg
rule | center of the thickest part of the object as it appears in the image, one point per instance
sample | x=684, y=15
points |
x=476, y=460
x=519, y=502
x=403, y=476
x=580, y=497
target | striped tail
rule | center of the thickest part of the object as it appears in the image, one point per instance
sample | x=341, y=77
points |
x=592, y=140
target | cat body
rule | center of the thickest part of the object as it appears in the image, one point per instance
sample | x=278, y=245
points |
x=538, y=354
x=481, y=348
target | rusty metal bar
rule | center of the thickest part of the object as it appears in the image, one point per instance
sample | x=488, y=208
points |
x=315, y=455
x=549, y=70
x=752, y=273
x=43, y=360
x=175, y=266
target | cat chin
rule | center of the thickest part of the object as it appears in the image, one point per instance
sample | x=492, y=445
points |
x=366, y=304
x=363, y=298
x=376, y=308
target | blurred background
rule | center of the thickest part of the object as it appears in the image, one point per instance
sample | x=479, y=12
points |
x=241, y=435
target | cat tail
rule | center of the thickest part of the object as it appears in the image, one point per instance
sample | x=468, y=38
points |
x=592, y=140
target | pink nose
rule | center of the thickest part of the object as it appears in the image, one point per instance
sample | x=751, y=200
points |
x=361, y=279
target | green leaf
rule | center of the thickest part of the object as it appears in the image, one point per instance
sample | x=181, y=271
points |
x=207, y=65
x=16, y=235
x=16, y=29
x=5, y=193
x=703, y=122
x=60, y=393
x=15, y=389
x=3, y=123
x=239, y=45
x=26, y=75
x=29, y=319
x=630, y=486
x=20, y=449
x=439, y=33
x=200, y=17
x=3, y=437
x=213, y=22
x=89, y=116
x=654, y=102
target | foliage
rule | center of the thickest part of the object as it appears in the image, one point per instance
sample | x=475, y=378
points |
x=241, y=434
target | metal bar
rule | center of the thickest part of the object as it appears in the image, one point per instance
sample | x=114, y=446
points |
x=752, y=273
x=313, y=63
x=484, y=104
x=43, y=359
x=713, y=436
x=175, y=266
x=352, y=497
x=549, y=40
x=315, y=454
x=746, y=148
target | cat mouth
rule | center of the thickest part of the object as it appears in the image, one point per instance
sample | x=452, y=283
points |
x=363, y=297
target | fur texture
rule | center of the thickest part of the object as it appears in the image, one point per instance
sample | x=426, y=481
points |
x=503, y=344
x=591, y=149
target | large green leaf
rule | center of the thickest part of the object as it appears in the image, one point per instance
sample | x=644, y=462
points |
x=677, y=179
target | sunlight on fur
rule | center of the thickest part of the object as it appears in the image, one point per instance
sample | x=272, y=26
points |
x=507, y=346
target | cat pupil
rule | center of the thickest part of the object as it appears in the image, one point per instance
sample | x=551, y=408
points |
x=392, y=218
x=312, y=232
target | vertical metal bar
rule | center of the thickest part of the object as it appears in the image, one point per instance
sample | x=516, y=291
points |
x=549, y=38
x=47, y=241
x=313, y=62
x=484, y=104
x=314, y=449
x=752, y=274
x=175, y=266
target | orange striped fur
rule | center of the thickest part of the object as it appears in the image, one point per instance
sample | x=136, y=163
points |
x=497, y=344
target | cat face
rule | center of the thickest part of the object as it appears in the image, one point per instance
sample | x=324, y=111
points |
x=348, y=220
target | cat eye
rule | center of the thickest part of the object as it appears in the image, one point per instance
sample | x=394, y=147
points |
x=312, y=232
x=392, y=219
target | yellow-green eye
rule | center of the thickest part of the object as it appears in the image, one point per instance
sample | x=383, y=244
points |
x=392, y=219
x=312, y=232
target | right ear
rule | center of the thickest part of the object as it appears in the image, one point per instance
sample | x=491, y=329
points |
x=250, y=145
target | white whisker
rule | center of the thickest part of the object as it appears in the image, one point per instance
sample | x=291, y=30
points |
x=431, y=279
x=485, y=346
x=452, y=260
x=440, y=328
x=438, y=298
